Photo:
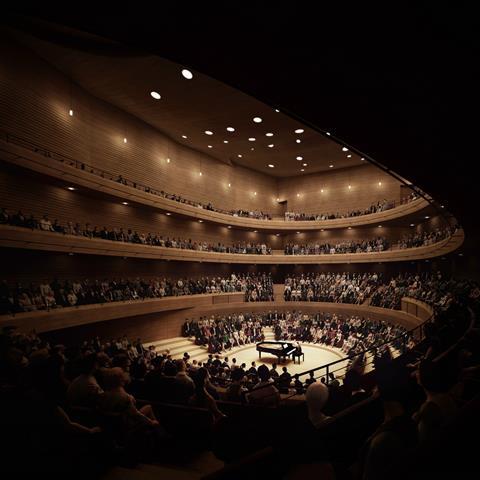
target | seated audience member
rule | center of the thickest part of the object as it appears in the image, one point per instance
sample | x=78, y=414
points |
x=184, y=386
x=84, y=391
x=352, y=388
x=310, y=379
x=236, y=390
x=116, y=401
x=284, y=380
x=264, y=392
x=439, y=405
x=317, y=397
x=396, y=436
x=201, y=397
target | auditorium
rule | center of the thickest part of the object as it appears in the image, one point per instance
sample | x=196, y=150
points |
x=236, y=242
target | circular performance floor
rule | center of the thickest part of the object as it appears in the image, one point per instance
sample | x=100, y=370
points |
x=315, y=356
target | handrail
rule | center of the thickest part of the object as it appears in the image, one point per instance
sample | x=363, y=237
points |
x=80, y=165
x=402, y=337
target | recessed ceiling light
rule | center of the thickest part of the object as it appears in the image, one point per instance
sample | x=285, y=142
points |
x=362, y=159
x=269, y=134
x=321, y=190
x=70, y=112
x=208, y=132
x=299, y=158
x=299, y=130
x=328, y=133
x=442, y=206
x=254, y=193
x=229, y=184
x=344, y=149
x=209, y=146
x=251, y=139
x=271, y=145
x=330, y=166
x=304, y=164
x=124, y=203
x=200, y=221
x=412, y=224
x=229, y=226
x=125, y=140
x=460, y=254
x=71, y=188
x=298, y=194
x=257, y=119
x=271, y=165
x=230, y=129
x=379, y=226
x=349, y=187
x=322, y=229
x=168, y=160
x=277, y=234
x=187, y=74
x=298, y=140
x=168, y=213
x=426, y=217
x=349, y=155
x=255, y=231
x=225, y=141
x=302, y=169
x=298, y=232
x=156, y=95
x=277, y=110
x=252, y=148
x=349, y=228
x=200, y=173
x=239, y=155
x=184, y=136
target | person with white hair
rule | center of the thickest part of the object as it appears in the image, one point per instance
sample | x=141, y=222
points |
x=317, y=397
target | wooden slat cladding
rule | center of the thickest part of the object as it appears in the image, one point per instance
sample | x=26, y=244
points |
x=329, y=193
x=162, y=325
x=35, y=100
x=20, y=190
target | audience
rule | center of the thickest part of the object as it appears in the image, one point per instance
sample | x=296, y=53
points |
x=56, y=294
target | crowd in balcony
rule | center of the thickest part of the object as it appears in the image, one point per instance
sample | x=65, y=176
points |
x=378, y=244
x=69, y=293
x=379, y=206
x=128, y=235
x=354, y=288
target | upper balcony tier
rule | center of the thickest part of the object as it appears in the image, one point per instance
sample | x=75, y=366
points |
x=16, y=237
x=73, y=172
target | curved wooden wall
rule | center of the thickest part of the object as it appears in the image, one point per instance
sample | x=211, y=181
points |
x=156, y=319
x=72, y=176
x=16, y=237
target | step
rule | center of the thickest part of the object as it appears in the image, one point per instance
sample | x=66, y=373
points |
x=153, y=472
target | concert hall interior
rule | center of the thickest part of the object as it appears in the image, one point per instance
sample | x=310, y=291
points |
x=238, y=241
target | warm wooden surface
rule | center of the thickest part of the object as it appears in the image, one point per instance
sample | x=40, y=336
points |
x=15, y=237
x=72, y=176
x=43, y=321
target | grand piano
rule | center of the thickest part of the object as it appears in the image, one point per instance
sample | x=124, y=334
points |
x=280, y=349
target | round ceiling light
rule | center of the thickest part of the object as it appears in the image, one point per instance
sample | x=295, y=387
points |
x=330, y=166
x=187, y=74
x=305, y=164
x=302, y=169
x=230, y=129
x=299, y=158
x=239, y=155
x=251, y=139
x=271, y=165
x=299, y=130
x=225, y=141
x=271, y=145
x=156, y=95
x=257, y=119
x=344, y=149
x=349, y=156
x=184, y=136
x=298, y=140
x=208, y=132
x=209, y=146
x=269, y=134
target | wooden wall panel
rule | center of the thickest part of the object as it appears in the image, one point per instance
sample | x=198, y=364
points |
x=34, y=103
x=34, y=194
x=304, y=194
